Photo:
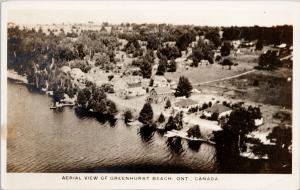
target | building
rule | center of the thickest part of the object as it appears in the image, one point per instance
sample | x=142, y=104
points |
x=160, y=94
x=219, y=109
x=160, y=81
x=131, y=92
x=185, y=104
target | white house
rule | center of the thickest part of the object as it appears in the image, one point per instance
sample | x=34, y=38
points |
x=219, y=109
x=185, y=104
x=160, y=94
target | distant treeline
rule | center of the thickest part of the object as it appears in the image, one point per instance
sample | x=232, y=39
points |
x=269, y=35
x=163, y=33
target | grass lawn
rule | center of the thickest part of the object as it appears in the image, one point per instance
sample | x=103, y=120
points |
x=272, y=87
x=204, y=73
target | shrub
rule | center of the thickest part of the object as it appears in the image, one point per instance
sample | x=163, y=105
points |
x=194, y=132
x=127, y=115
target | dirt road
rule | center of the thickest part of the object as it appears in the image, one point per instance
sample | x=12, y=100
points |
x=225, y=78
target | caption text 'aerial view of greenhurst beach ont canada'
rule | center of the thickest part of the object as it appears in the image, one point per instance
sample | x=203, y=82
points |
x=149, y=91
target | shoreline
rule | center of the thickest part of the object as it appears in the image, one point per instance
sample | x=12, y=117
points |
x=13, y=75
x=206, y=136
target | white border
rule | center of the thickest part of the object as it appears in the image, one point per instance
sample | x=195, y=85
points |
x=225, y=181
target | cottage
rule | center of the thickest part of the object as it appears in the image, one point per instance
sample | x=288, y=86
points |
x=185, y=104
x=131, y=92
x=160, y=94
x=160, y=81
x=219, y=109
x=282, y=46
x=236, y=44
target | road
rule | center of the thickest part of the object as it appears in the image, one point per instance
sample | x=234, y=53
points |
x=225, y=78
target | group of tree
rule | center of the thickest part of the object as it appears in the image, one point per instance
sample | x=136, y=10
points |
x=168, y=52
x=202, y=51
x=225, y=49
x=184, y=40
x=235, y=127
x=94, y=99
x=162, y=66
x=269, y=61
x=269, y=35
x=175, y=123
x=31, y=51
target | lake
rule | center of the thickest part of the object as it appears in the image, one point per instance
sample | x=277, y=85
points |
x=42, y=140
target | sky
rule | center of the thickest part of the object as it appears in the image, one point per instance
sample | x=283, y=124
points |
x=155, y=12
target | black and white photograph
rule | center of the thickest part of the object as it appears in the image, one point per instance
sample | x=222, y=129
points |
x=149, y=90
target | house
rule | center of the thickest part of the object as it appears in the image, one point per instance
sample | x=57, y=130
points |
x=131, y=92
x=282, y=46
x=160, y=94
x=185, y=104
x=236, y=44
x=219, y=109
x=160, y=81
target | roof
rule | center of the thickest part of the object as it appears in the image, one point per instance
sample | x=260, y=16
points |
x=185, y=103
x=282, y=46
x=218, y=108
x=160, y=78
x=162, y=90
x=134, y=85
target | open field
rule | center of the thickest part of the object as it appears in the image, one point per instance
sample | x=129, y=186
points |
x=260, y=86
x=211, y=72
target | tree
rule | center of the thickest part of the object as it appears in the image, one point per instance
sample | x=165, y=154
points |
x=146, y=114
x=162, y=66
x=178, y=119
x=269, y=61
x=161, y=118
x=225, y=49
x=227, y=62
x=195, y=62
x=101, y=107
x=58, y=94
x=172, y=67
x=110, y=77
x=146, y=68
x=184, y=40
x=82, y=98
x=239, y=123
x=168, y=52
x=259, y=45
x=184, y=87
x=153, y=42
x=112, y=108
x=202, y=51
x=127, y=116
x=194, y=132
x=214, y=37
x=168, y=104
x=170, y=125
x=151, y=82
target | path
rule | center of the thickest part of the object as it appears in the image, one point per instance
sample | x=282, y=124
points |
x=226, y=78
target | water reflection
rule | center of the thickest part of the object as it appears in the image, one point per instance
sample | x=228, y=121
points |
x=174, y=144
x=146, y=132
x=102, y=118
x=194, y=145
